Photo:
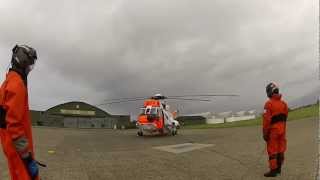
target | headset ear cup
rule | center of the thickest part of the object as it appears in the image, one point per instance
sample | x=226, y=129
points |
x=20, y=58
x=15, y=59
x=23, y=57
x=15, y=48
x=271, y=89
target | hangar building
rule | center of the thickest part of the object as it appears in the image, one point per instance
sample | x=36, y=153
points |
x=79, y=115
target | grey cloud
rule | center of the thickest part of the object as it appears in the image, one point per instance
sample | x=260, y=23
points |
x=95, y=50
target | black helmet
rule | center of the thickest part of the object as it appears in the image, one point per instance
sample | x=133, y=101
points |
x=23, y=57
x=271, y=89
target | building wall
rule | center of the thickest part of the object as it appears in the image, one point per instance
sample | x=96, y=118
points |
x=123, y=121
x=190, y=120
x=78, y=115
x=35, y=117
x=240, y=118
x=51, y=120
x=215, y=120
x=70, y=122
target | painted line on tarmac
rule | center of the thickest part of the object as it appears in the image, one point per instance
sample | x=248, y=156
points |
x=182, y=148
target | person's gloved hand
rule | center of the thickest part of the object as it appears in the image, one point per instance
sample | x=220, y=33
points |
x=266, y=137
x=31, y=166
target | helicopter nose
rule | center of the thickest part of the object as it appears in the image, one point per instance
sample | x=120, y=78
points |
x=152, y=118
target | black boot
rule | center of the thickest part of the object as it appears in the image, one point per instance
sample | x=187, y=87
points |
x=271, y=173
x=279, y=169
x=280, y=158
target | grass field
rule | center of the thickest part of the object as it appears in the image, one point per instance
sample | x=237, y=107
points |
x=295, y=114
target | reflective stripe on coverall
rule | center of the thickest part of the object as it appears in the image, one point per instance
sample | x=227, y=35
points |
x=14, y=101
x=274, y=127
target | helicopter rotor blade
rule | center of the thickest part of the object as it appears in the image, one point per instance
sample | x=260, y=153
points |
x=133, y=100
x=189, y=99
x=121, y=101
x=178, y=97
x=205, y=95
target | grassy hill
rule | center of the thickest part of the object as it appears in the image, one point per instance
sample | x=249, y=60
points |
x=294, y=114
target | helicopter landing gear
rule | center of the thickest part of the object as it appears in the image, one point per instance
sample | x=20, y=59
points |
x=174, y=132
x=140, y=133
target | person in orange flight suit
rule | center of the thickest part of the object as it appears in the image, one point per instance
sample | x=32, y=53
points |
x=274, y=129
x=15, y=123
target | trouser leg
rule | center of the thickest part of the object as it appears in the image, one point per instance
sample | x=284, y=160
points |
x=273, y=150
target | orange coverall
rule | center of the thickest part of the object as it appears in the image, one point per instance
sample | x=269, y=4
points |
x=274, y=130
x=14, y=101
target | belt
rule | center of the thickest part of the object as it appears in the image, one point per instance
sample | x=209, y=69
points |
x=3, y=113
x=278, y=118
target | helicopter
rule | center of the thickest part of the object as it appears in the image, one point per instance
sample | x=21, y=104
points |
x=155, y=116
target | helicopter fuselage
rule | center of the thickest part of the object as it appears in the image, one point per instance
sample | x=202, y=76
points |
x=154, y=120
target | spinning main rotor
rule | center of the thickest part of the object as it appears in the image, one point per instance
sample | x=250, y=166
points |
x=192, y=97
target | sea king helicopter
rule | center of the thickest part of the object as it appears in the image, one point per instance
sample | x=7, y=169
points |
x=155, y=116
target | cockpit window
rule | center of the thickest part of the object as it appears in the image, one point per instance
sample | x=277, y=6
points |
x=151, y=111
x=154, y=111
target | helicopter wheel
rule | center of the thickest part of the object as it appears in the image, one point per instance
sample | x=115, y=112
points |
x=175, y=132
x=140, y=133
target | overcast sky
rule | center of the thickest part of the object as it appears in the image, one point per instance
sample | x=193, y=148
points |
x=95, y=50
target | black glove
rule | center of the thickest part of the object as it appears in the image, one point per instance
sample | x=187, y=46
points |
x=266, y=137
x=31, y=166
